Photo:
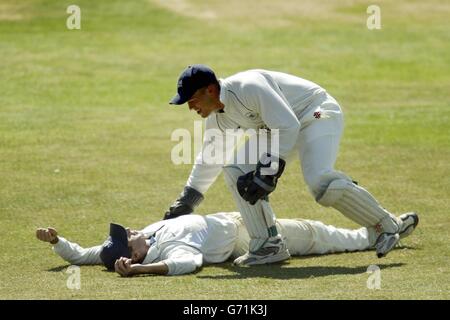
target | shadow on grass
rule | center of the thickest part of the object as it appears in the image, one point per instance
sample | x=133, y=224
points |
x=275, y=271
x=401, y=247
x=64, y=268
x=59, y=269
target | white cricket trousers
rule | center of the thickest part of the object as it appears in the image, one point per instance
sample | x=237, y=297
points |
x=306, y=237
x=318, y=143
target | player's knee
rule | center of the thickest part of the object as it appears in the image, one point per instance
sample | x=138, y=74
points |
x=334, y=191
x=319, y=181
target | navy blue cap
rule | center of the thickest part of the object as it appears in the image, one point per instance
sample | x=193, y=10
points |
x=115, y=246
x=191, y=79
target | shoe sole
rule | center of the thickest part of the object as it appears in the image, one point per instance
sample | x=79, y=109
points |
x=408, y=230
x=394, y=240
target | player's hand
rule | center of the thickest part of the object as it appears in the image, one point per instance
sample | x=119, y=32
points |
x=47, y=235
x=178, y=209
x=249, y=190
x=258, y=184
x=185, y=204
x=124, y=267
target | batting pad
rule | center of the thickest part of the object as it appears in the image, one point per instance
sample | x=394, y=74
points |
x=259, y=218
x=357, y=204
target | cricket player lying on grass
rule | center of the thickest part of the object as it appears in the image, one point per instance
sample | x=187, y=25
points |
x=181, y=245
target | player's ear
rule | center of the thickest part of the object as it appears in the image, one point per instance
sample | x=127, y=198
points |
x=211, y=88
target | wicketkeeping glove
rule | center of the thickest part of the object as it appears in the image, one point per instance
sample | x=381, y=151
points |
x=258, y=184
x=185, y=204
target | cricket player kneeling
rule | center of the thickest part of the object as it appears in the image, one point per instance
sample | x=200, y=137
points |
x=184, y=244
x=305, y=121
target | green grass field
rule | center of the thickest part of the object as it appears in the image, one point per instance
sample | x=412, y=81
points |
x=85, y=136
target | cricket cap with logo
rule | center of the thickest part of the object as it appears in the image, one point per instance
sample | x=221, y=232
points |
x=194, y=77
x=115, y=246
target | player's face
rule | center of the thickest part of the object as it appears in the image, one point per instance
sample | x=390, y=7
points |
x=203, y=102
x=137, y=245
x=131, y=232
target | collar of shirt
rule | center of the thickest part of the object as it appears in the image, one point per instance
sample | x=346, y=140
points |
x=152, y=253
x=150, y=241
x=223, y=93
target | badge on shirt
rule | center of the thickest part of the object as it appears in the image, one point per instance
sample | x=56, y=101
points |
x=251, y=115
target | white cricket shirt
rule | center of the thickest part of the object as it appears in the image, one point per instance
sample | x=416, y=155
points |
x=257, y=99
x=183, y=244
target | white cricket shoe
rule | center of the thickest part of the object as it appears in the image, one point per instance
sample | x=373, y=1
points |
x=385, y=243
x=408, y=224
x=274, y=250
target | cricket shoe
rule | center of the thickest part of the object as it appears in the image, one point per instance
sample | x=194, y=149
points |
x=385, y=243
x=273, y=250
x=408, y=224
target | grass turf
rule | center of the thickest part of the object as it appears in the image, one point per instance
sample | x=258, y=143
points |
x=85, y=136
